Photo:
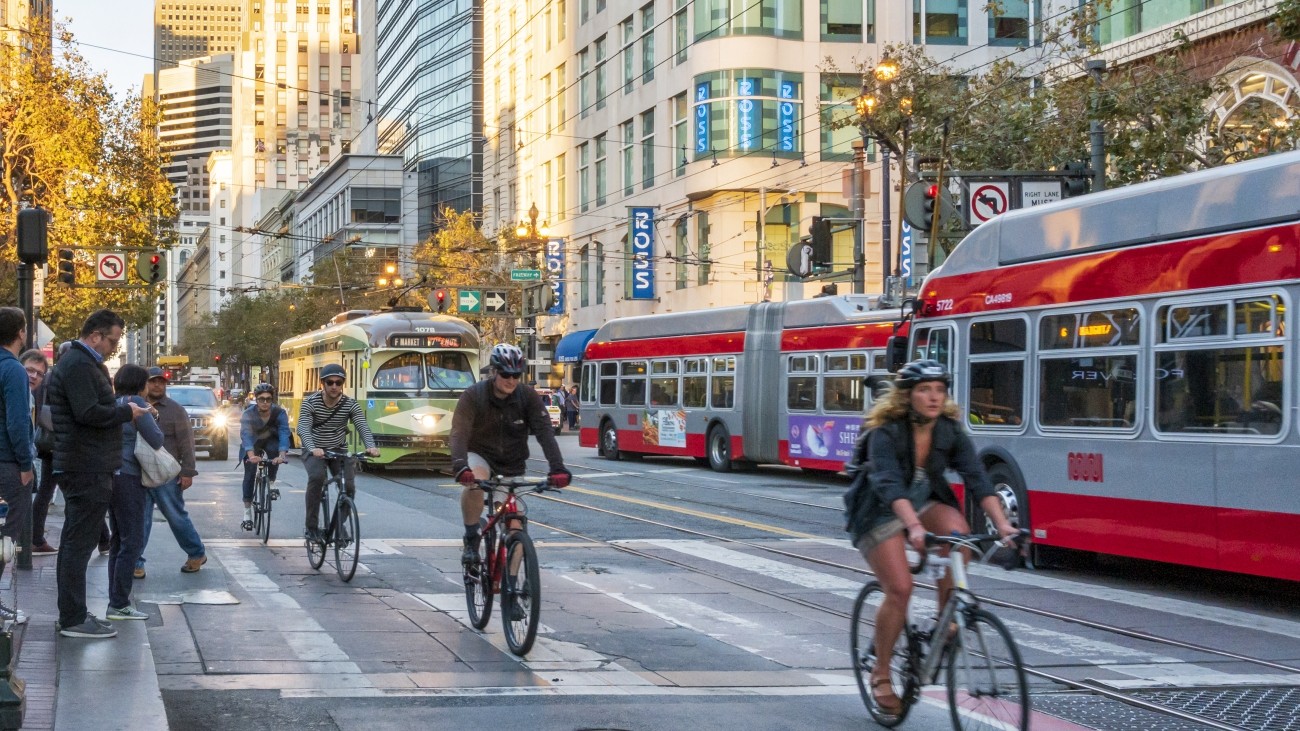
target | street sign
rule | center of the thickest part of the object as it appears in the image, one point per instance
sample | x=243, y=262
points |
x=525, y=275
x=987, y=200
x=494, y=302
x=38, y=286
x=469, y=300
x=1037, y=192
x=525, y=331
x=110, y=267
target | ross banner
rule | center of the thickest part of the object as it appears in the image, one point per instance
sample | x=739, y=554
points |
x=702, y=119
x=555, y=272
x=785, y=117
x=905, y=253
x=746, y=114
x=642, y=228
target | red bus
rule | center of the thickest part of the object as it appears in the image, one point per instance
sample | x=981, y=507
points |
x=775, y=382
x=1127, y=366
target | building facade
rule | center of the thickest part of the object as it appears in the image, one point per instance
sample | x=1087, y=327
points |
x=185, y=29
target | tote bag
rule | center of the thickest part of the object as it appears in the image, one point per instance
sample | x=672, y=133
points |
x=157, y=466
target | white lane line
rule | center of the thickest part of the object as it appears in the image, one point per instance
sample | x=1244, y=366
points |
x=807, y=578
x=569, y=690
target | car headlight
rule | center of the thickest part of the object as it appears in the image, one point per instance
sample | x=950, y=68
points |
x=219, y=421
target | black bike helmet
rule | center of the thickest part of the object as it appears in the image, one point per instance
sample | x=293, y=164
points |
x=920, y=371
x=508, y=359
x=262, y=388
x=333, y=370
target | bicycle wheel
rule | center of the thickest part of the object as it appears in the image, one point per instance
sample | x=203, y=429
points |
x=316, y=549
x=347, y=538
x=521, y=593
x=257, y=504
x=478, y=581
x=987, y=688
x=266, y=502
x=862, y=653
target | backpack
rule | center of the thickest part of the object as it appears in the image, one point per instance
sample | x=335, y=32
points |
x=859, y=496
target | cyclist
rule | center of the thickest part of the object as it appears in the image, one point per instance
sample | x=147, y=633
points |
x=489, y=436
x=264, y=427
x=323, y=424
x=914, y=437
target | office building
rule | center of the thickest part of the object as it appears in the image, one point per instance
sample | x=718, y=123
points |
x=185, y=29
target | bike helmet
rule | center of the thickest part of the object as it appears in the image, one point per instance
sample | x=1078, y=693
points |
x=508, y=359
x=262, y=388
x=920, y=371
x=333, y=369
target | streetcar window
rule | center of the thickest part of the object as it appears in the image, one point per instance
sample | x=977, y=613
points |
x=448, y=371
x=608, y=384
x=997, y=336
x=1220, y=390
x=1088, y=391
x=1096, y=329
x=400, y=373
x=631, y=383
x=723, y=386
x=695, y=383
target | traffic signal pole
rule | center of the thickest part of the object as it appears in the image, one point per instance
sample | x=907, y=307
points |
x=859, y=213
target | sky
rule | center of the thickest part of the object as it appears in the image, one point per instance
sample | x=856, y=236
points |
x=122, y=25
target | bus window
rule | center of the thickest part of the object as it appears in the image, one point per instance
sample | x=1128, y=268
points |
x=448, y=371
x=1088, y=391
x=695, y=383
x=587, y=392
x=934, y=343
x=1259, y=317
x=842, y=387
x=663, y=383
x=723, y=393
x=631, y=383
x=608, y=384
x=1096, y=329
x=801, y=384
x=1194, y=321
x=997, y=372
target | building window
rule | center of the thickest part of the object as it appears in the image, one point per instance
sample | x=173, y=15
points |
x=648, y=149
x=600, y=273
x=679, y=245
x=779, y=18
x=376, y=205
x=584, y=11
x=680, y=129
x=681, y=31
x=602, y=181
x=584, y=82
x=602, y=53
x=848, y=20
x=345, y=73
x=940, y=22
x=838, y=94
x=741, y=112
x=561, y=190
x=324, y=73
x=584, y=176
x=561, y=104
x=629, y=172
x=584, y=277
x=628, y=29
x=1010, y=24
x=702, y=246
x=561, y=20
x=647, y=43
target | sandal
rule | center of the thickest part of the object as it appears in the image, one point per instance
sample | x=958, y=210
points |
x=887, y=702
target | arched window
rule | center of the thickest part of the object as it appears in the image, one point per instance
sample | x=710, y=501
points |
x=584, y=281
x=1260, y=99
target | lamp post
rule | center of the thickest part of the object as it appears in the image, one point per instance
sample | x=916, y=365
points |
x=528, y=232
x=868, y=104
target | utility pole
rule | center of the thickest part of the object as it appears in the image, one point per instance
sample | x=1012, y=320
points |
x=860, y=214
x=528, y=232
x=1096, y=135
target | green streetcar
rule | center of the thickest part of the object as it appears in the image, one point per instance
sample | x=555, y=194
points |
x=407, y=368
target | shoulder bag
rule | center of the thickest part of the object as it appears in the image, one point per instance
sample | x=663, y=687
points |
x=157, y=466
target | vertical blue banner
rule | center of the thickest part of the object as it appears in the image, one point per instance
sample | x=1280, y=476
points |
x=747, y=122
x=702, y=119
x=642, y=229
x=555, y=272
x=785, y=116
x=905, y=254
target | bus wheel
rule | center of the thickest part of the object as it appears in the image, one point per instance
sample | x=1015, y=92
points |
x=609, y=441
x=719, y=448
x=1011, y=495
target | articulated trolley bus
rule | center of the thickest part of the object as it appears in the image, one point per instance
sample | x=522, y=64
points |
x=406, y=368
x=775, y=382
x=1127, y=365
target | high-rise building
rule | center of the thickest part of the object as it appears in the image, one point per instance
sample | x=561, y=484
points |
x=428, y=99
x=194, y=28
x=194, y=109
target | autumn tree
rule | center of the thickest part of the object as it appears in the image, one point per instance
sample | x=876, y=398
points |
x=91, y=160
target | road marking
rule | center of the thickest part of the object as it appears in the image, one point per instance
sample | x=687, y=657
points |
x=570, y=690
x=807, y=578
x=695, y=513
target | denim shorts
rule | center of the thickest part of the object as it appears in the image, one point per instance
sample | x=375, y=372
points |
x=886, y=530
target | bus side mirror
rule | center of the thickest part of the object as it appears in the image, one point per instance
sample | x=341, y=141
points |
x=896, y=349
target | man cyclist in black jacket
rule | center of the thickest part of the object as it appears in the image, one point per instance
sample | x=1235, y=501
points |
x=489, y=435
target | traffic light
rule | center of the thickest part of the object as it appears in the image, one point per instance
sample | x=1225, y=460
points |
x=929, y=205
x=1078, y=179
x=67, y=267
x=216, y=358
x=439, y=300
x=33, y=236
x=151, y=265
x=820, y=238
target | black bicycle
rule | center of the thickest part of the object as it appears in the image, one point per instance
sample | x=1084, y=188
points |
x=263, y=496
x=340, y=525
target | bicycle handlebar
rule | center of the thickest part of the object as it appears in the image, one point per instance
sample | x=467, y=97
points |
x=344, y=454
x=972, y=541
x=512, y=484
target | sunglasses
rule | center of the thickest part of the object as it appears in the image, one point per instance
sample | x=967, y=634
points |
x=333, y=382
x=511, y=376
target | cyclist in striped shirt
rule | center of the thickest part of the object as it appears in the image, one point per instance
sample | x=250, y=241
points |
x=323, y=424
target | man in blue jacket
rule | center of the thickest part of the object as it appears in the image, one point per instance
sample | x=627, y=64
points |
x=87, y=451
x=16, y=447
x=264, y=427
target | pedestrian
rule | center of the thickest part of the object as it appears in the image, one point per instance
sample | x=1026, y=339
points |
x=169, y=497
x=16, y=447
x=45, y=451
x=558, y=400
x=87, y=451
x=571, y=408
x=126, y=509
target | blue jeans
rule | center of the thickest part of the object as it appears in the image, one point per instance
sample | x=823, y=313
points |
x=170, y=499
x=250, y=472
x=125, y=513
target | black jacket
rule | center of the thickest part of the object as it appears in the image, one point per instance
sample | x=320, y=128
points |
x=87, y=418
x=887, y=471
x=497, y=429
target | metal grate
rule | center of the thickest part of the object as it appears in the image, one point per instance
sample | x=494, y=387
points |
x=1111, y=715
x=1262, y=709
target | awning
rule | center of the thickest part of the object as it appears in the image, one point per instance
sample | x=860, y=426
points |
x=571, y=346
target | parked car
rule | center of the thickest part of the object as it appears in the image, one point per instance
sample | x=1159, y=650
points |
x=208, y=418
x=552, y=408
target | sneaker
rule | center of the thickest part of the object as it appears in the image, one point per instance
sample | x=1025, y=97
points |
x=469, y=557
x=139, y=572
x=313, y=535
x=103, y=548
x=274, y=491
x=90, y=629
x=517, y=612
x=44, y=549
x=17, y=616
x=192, y=565
x=127, y=612
x=248, y=515
x=98, y=621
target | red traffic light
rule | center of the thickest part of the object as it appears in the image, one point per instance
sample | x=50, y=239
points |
x=154, y=259
x=217, y=358
x=932, y=191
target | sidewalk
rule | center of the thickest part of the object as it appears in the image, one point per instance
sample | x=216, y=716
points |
x=76, y=684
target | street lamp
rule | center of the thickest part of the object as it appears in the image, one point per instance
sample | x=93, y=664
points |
x=530, y=233
x=868, y=104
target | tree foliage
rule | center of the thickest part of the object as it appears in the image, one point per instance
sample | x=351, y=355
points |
x=91, y=160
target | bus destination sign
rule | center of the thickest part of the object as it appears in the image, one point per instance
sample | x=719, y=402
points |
x=424, y=340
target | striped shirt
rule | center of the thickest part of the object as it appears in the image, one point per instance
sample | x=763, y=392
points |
x=318, y=429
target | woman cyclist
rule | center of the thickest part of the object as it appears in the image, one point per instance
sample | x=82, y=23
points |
x=264, y=427
x=913, y=438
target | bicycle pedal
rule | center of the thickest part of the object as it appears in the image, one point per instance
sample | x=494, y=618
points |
x=275, y=494
x=246, y=525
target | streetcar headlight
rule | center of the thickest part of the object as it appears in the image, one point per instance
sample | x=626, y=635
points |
x=427, y=422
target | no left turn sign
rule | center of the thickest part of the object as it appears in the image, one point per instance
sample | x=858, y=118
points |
x=110, y=267
x=988, y=200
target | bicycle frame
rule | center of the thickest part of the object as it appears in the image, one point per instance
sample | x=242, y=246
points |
x=507, y=512
x=953, y=610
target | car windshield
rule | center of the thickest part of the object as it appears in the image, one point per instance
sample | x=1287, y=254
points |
x=201, y=397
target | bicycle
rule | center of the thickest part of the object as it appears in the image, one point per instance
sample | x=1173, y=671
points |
x=507, y=564
x=341, y=527
x=263, y=495
x=984, y=675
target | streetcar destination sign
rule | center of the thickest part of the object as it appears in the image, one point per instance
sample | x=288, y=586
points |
x=525, y=275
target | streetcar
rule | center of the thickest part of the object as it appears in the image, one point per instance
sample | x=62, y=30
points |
x=406, y=367
x=774, y=382
x=1127, y=365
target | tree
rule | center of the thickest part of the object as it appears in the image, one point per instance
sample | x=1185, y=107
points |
x=91, y=160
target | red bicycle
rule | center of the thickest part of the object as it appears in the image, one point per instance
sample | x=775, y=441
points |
x=507, y=562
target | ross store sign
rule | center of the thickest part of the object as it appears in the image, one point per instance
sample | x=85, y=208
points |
x=555, y=272
x=703, y=120
x=785, y=117
x=746, y=114
x=643, y=236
